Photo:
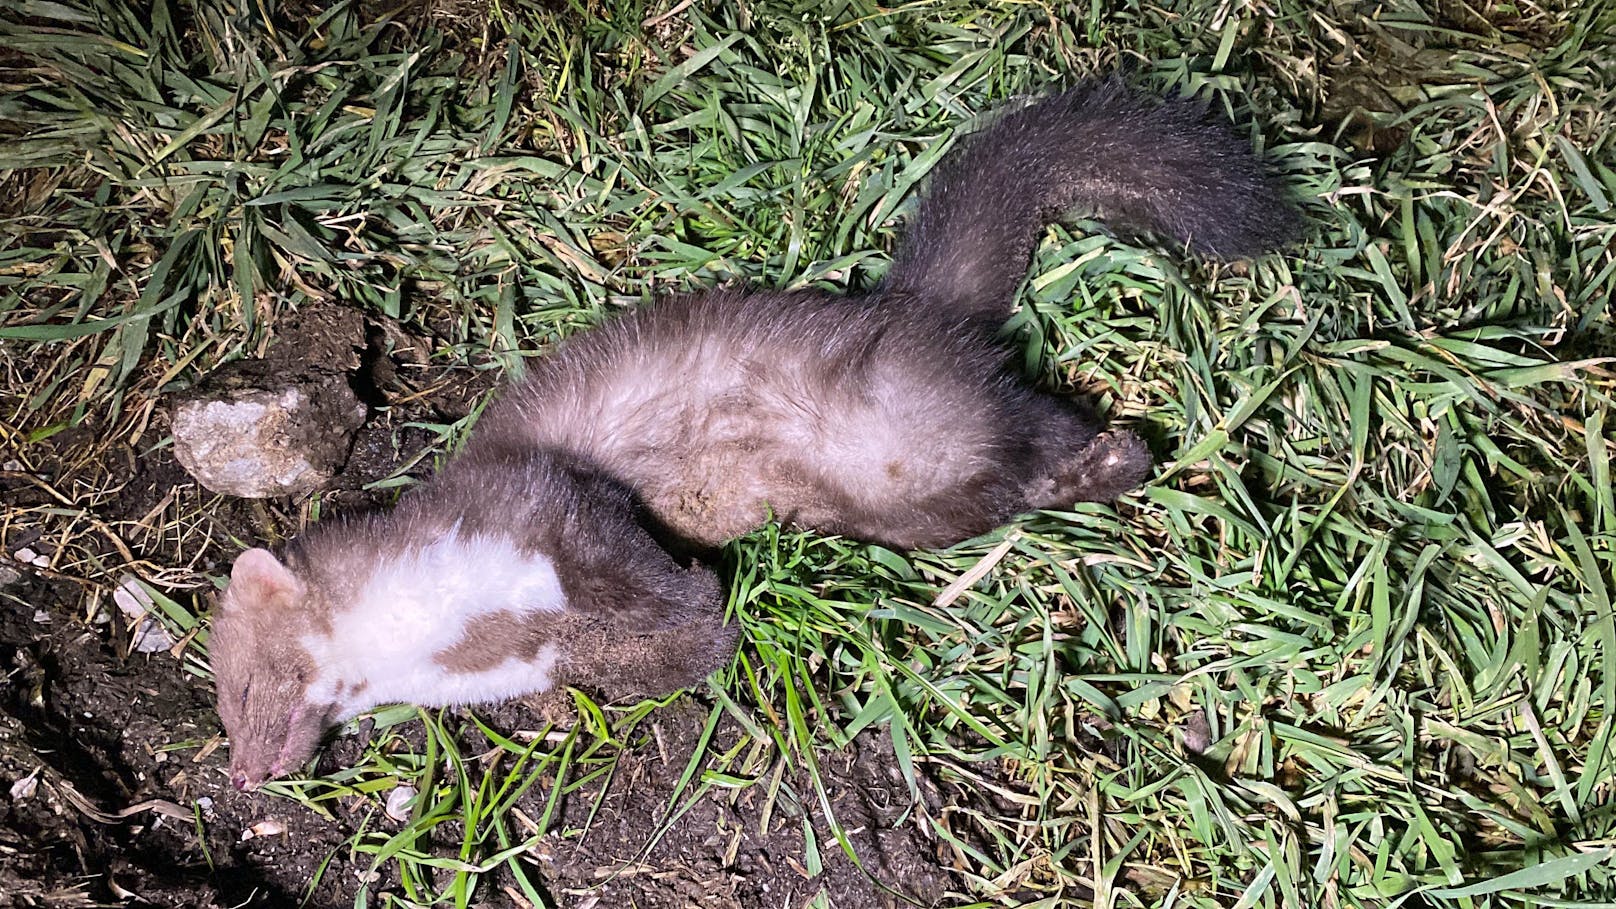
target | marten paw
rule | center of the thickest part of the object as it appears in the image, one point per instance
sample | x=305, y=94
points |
x=1117, y=461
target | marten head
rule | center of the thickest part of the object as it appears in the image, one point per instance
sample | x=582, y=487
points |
x=263, y=672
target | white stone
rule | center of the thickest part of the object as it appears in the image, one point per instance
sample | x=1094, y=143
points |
x=267, y=442
x=398, y=802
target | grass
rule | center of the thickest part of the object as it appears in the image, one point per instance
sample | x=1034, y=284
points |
x=1352, y=647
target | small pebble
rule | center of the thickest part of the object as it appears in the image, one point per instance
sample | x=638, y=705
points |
x=26, y=555
x=398, y=802
x=132, y=599
x=1196, y=733
x=151, y=637
x=25, y=787
x=263, y=828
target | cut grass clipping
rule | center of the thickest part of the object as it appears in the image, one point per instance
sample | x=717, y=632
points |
x=1352, y=646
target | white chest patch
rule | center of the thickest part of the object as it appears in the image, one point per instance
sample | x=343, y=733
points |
x=419, y=604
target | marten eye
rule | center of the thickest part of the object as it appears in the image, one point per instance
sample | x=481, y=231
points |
x=244, y=689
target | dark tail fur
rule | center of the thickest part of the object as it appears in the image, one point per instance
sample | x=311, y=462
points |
x=1141, y=164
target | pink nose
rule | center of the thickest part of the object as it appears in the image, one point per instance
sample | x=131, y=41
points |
x=238, y=779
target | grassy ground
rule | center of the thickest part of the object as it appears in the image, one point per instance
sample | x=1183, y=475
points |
x=1354, y=644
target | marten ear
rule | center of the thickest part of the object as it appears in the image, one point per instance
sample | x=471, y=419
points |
x=258, y=575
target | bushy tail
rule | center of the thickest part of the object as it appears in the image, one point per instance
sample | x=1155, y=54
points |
x=1141, y=164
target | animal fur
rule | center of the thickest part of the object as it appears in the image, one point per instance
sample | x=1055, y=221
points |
x=889, y=417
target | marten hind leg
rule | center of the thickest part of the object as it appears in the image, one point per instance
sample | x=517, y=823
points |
x=619, y=661
x=1074, y=460
x=1116, y=462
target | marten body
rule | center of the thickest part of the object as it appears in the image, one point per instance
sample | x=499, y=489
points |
x=888, y=417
